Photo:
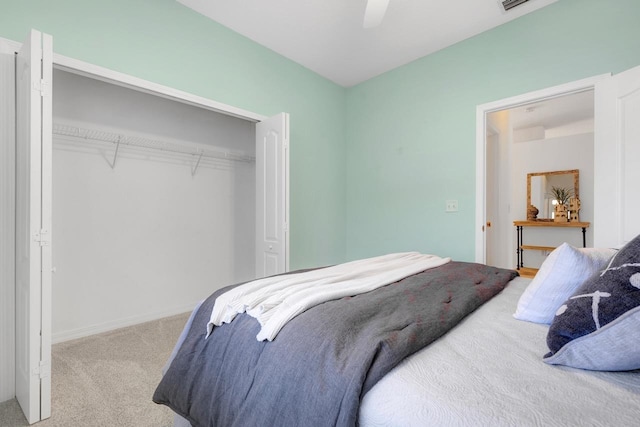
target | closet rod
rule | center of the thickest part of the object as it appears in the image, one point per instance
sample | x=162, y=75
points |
x=137, y=141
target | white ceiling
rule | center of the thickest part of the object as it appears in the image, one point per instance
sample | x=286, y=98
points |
x=554, y=113
x=327, y=36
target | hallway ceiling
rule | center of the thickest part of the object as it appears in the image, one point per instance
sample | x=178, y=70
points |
x=327, y=36
x=554, y=113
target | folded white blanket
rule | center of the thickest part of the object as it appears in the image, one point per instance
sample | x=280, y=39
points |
x=273, y=301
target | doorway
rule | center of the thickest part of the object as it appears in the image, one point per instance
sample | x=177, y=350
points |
x=498, y=125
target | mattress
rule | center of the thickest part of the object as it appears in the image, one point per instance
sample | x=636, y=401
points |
x=488, y=370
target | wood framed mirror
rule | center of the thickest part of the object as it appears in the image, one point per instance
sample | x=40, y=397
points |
x=539, y=185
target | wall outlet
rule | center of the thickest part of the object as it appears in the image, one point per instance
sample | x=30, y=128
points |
x=451, y=206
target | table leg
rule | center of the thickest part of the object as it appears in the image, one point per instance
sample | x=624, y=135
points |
x=520, y=262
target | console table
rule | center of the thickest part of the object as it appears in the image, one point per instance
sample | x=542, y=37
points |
x=521, y=247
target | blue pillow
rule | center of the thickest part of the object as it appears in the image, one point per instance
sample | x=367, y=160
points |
x=598, y=327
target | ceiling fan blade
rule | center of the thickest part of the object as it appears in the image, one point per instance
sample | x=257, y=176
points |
x=374, y=12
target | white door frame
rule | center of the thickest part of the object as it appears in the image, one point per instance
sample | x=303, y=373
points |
x=492, y=214
x=7, y=224
x=97, y=72
x=75, y=66
x=86, y=69
x=481, y=144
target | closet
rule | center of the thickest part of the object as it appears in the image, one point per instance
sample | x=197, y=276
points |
x=153, y=205
x=133, y=201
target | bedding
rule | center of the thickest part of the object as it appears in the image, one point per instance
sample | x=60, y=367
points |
x=489, y=371
x=325, y=359
x=273, y=301
x=564, y=270
x=598, y=327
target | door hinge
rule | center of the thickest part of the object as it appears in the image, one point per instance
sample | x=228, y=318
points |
x=42, y=86
x=43, y=370
x=42, y=237
x=286, y=227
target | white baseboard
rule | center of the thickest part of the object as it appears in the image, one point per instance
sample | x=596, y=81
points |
x=61, y=336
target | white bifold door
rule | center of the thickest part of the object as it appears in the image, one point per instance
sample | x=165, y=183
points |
x=617, y=150
x=33, y=226
x=272, y=195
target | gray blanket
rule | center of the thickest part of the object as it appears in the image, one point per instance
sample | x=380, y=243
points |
x=323, y=361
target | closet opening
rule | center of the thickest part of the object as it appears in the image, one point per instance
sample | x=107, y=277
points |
x=155, y=198
x=154, y=205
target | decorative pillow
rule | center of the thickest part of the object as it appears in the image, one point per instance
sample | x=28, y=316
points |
x=564, y=270
x=598, y=328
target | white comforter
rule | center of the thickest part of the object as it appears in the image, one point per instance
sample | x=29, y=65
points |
x=488, y=371
x=273, y=301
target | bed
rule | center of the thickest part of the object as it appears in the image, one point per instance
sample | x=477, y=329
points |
x=486, y=370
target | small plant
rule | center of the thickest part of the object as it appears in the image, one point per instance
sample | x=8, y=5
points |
x=561, y=194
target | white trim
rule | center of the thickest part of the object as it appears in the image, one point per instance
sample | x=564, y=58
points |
x=287, y=205
x=9, y=46
x=114, y=77
x=481, y=162
x=542, y=94
x=481, y=119
x=73, y=334
x=86, y=69
x=7, y=225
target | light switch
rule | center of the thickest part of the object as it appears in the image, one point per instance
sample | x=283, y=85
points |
x=451, y=206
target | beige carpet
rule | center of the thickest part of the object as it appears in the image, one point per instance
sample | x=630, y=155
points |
x=108, y=379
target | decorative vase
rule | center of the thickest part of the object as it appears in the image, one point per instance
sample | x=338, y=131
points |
x=560, y=213
x=574, y=208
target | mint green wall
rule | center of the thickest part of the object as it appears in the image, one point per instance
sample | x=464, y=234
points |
x=411, y=132
x=407, y=141
x=167, y=43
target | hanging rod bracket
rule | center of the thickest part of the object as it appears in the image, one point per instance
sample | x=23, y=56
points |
x=115, y=154
x=195, y=168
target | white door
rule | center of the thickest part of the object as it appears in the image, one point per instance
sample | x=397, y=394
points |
x=33, y=226
x=272, y=195
x=617, y=150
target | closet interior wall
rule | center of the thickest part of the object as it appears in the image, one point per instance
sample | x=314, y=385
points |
x=148, y=227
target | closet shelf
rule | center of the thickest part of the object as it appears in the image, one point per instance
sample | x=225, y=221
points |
x=118, y=139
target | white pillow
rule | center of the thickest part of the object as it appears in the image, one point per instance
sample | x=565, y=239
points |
x=564, y=270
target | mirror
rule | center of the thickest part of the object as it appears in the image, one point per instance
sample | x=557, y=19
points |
x=540, y=184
